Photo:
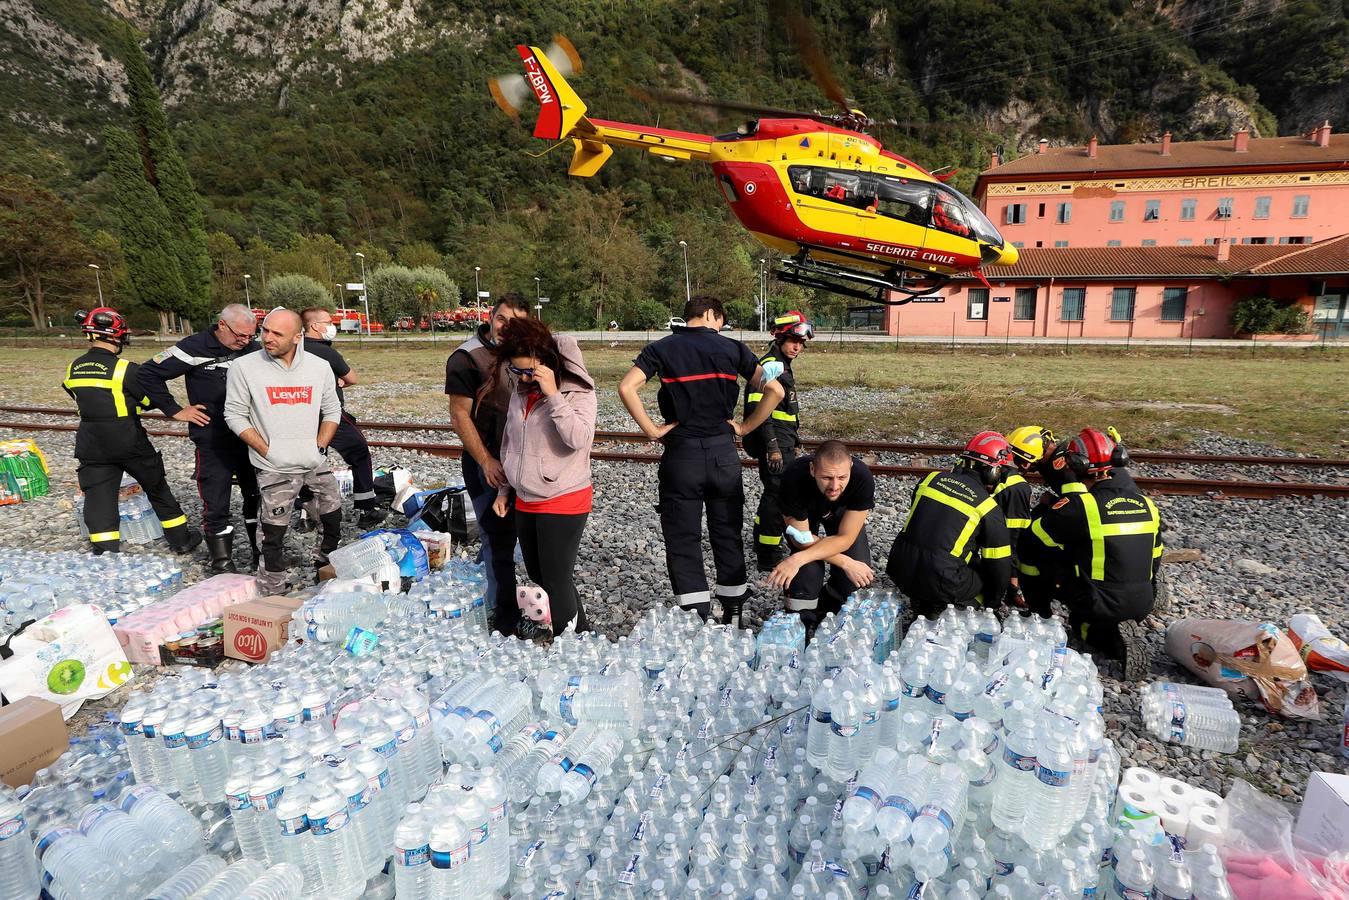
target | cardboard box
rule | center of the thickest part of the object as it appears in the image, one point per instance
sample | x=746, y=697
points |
x=1324, y=819
x=32, y=734
x=254, y=628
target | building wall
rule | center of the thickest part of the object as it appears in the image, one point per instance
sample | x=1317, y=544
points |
x=1090, y=202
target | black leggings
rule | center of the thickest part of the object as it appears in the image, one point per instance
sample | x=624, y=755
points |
x=549, y=544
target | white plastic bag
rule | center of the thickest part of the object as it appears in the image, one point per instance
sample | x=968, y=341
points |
x=68, y=657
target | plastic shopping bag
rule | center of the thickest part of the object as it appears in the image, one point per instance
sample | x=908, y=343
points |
x=68, y=657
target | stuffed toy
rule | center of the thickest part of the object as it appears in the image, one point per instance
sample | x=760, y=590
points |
x=536, y=616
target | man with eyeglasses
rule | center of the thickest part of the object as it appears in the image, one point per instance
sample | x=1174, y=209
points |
x=203, y=361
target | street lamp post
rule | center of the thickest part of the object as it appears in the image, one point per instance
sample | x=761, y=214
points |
x=688, y=294
x=538, y=293
x=365, y=294
x=98, y=282
x=248, y=300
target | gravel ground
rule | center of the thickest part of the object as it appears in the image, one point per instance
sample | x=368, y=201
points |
x=1296, y=551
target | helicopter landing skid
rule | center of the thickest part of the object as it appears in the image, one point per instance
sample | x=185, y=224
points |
x=813, y=273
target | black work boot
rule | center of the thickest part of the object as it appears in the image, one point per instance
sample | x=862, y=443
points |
x=251, y=529
x=221, y=549
x=1135, y=652
x=732, y=609
x=370, y=519
x=186, y=541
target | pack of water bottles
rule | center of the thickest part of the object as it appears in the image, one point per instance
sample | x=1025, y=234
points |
x=36, y=583
x=1192, y=715
x=138, y=522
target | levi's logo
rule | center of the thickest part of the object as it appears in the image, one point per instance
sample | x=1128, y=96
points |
x=295, y=395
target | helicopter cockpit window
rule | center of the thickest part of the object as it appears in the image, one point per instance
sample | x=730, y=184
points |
x=898, y=198
x=952, y=212
x=849, y=188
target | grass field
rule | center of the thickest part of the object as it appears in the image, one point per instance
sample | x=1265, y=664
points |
x=1292, y=399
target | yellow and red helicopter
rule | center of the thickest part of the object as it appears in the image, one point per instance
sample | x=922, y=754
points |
x=847, y=215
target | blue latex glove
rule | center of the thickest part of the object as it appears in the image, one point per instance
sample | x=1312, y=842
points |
x=801, y=537
x=771, y=371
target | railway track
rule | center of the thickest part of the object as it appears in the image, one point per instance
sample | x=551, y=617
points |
x=1211, y=487
x=633, y=437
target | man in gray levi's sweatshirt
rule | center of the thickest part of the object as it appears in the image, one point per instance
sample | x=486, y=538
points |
x=283, y=404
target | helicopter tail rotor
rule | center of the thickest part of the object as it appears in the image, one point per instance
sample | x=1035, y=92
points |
x=510, y=91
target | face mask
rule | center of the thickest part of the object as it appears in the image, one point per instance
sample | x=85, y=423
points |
x=329, y=332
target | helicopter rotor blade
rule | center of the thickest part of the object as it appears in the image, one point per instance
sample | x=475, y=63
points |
x=812, y=54
x=652, y=95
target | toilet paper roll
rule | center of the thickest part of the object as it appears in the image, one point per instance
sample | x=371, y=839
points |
x=1203, y=829
x=1177, y=793
x=1175, y=819
x=1140, y=778
x=1135, y=803
x=1205, y=800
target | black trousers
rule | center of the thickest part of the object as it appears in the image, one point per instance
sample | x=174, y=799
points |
x=220, y=463
x=768, y=517
x=100, y=481
x=549, y=544
x=812, y=595
x=496, y=536
x=698, y=475
x=932, y=579
x=350, y=444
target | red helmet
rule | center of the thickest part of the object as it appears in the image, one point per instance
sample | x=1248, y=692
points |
x=1091, y=453
x=793, y=324
x=988, y=448
x=103, y=322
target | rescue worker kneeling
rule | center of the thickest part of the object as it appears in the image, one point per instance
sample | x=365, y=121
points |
x=111, y=439
x=1098, y=548
x=829, y=489
x=1028, y=445
x=954, y=549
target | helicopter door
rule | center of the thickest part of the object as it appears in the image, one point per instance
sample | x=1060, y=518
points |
x=902, y=211
x=835, y=201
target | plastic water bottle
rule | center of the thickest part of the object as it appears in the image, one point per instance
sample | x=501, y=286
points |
x=74, y=864
x=1049, y=797
x=263, y=796
x=176, y=829
x=844, y=726
x=230, y=881
x=334, y=842
x=139, y=857
x=1017, y=770
x=594, y=762
x=908, y=791
x=18, y=871
x=937, y=822
x=296, y=846
x=859, y=810
x=449, y=858
x=1133, y=877
x=1203, y=720
x=206, y=753
x=817, y=736
x=241, y=810
x=189, y=879
x=281, y=882
x=492, y=789
x=548, y=779
x=480, y=739
x=1172, y=880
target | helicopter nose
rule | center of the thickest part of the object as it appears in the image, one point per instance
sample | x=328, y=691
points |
x=999, y=254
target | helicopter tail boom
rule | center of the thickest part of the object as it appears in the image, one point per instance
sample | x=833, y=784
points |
x=560, y=108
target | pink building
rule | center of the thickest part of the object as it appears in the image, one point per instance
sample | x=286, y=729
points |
x=1134, y=292
x=1280, y=190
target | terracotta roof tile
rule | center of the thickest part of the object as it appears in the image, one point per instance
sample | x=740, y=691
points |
x=1290, y=150
x=1328, y=257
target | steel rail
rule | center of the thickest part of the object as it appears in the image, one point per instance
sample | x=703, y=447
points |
x=634, y=437
x=1259, y=490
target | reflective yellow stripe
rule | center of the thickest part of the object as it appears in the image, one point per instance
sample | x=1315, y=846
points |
x=173, y=523
x=113, y=384
x=102, y=536
x=782, y=416
x=1017, y=524
x=1037, y=528
x=1073, y=487
x=973, y=514
x=1099, y=531
x=1009, y=481
x=1158, y=550
x=770, y=540
x=917, y=495
x=1004, y=552
x=754, y=398
x=1027, y=569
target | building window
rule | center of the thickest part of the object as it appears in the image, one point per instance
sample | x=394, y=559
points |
x=1060, y=243
x=1152, y=211
x=1299, y=240
x=1041, y=213
x=1262, y=207
x=1065, y=213
x=976, y=305
x=1117, y=210
x=1209, y=242
x=1020, y=245
x=1016, y=214
x=1112, y=243
x=1023, y=304
x=1300, y=205
x=1149, y=243
x=1074, y=304
x=1122, y=304
x=1184, y=242
x=1187, y=208
x=1225, y=208
x=1257, y=240
x=1173, y=304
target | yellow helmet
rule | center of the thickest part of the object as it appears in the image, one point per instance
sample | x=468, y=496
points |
x=1030, y=443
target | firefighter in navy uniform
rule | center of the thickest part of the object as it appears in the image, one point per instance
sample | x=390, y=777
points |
x=774, y=443
x=1098, y=548
x=1028, y=446
x=700, y=466
x=953, y=549
x=111, y=439
x=202, y=360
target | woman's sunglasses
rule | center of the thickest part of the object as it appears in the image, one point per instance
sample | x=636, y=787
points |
x=519, y=372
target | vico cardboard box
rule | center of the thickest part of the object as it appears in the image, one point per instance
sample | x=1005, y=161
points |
x=255, y=628
x=32, y=734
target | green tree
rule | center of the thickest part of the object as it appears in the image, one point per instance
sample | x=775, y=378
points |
x=419, y=253
x=153, y=270
x=167, y=174
x=320, y=257
x=227, y=270
x=433, y=290
x=42, y=257
x=393, y=293
x=645, y=314
x=296, y=291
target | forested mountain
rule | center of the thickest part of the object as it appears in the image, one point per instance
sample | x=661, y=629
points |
x=314, y=128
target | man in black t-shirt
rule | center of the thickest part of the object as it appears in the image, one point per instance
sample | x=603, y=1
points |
x=828, y=489
x=349, y=441
x=700, y=466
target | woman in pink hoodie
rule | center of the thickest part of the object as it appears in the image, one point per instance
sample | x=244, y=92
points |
x=545, y=452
